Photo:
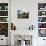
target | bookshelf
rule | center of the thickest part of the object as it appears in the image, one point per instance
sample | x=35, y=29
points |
x=4, y=19
x=42, y=19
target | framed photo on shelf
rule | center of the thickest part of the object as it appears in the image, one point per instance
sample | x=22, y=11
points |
x=41, y=6
x=3, y=6
x=3, y=19
x=42, y=32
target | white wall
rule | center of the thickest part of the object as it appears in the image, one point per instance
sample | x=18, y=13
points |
x=23, y=24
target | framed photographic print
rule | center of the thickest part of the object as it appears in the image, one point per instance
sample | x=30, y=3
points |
x=22, y=14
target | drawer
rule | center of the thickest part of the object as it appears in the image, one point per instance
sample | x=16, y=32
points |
x=3, y=41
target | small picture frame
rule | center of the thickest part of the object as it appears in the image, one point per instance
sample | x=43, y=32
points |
x=42, y=33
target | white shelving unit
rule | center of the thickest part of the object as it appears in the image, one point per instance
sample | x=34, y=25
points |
x=4, y=16
x=4, y=23
x=42, y=18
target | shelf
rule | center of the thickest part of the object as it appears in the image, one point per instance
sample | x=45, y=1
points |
x=42, y=16
x=41, y=10
x=3, y=10
x=3, y=22
x=4, y=19
x=3, y=16
x=42, y=19
x=41, y=22
x=41, y=28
